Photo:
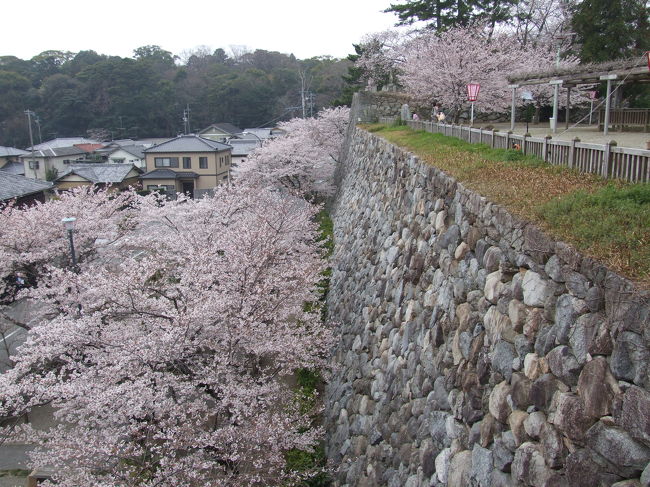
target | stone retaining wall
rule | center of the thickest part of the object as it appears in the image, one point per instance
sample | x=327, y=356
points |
x=475, y=350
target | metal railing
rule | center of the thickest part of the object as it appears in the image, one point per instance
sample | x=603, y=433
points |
x=606, y=160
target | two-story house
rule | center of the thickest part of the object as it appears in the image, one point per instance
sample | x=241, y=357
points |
x=118, y=176
x=47, y=164
x=187, y=164
x=220, y=132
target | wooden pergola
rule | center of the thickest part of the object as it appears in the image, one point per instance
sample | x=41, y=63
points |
x=627, y=71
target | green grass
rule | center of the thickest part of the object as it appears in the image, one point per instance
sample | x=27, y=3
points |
x=611, y=220
x=608, y=220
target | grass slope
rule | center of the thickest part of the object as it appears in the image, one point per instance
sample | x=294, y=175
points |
x=608, y=220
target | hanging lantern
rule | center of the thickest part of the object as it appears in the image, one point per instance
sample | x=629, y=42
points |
x=472, y=91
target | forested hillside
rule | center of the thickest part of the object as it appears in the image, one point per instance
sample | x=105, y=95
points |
x=146, y=96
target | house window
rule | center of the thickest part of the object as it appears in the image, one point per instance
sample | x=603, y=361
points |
x=34, y=164
x=187, y=163
x=203, y=162
x=166, y=161
x=161, y=187
x=66, y=161
x=116, y=160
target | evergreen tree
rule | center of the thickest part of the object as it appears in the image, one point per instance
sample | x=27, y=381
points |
x=611, y=29
x=444, y=14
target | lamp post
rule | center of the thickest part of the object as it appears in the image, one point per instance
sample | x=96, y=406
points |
x=254, y=135
x=68, y=224
x=472, y=94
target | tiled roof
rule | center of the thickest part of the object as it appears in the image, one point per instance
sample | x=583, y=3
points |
x=10, y=151
x=15, y=186
x=188, y=143
x=62, y=142
x=241, y=147
x=169, y=174
x=100, y=173
x=224, y=127
x=136, y=150
x=56, y=152
x=14, y=168
x=262, y=133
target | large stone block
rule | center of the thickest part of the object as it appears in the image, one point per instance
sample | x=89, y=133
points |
x=529, y=466
x=629, y=456
x=632, y=413
x=460, y=469
x=536, y=289
x=498, y=403
x=563, y=364
x=584, y=467
x=571, y=418
x=631, y=359
x=597, y=388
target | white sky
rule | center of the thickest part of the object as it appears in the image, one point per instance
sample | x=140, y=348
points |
x=303, y=27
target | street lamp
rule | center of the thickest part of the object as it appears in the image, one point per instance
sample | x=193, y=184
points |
x=472, y=95
x=254, y=135
x=68, y=224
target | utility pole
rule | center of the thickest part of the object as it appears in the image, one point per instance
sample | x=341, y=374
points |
x=38, y=124
x=29, y=114
x=304, y=87
x=310, y=96
x=186, y=119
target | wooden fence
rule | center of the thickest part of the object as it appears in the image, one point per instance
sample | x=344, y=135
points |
x=626, y=118
x=608, y=161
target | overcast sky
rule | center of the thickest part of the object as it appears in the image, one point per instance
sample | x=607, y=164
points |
x=305, y=28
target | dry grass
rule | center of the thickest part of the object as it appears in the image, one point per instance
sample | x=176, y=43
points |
x=563, y=202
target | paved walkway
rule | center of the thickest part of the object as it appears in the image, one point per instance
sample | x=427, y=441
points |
x=585, y=133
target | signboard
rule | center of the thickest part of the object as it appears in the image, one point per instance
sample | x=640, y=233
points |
x=472, y=91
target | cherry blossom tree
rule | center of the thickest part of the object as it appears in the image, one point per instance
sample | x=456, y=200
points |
x=381, y=55
x=169, y=359
x=304, y=159
x=34, y=237
x=438, y=67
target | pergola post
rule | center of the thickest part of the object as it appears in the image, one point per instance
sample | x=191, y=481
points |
x=608, y=78
x=556, y=94
x=512, y=109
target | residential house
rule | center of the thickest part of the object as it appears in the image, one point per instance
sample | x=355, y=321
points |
x=22, y=190
x=49, y=163
x=241, y=148
x=129, y=154
x=9, y=155
x=263, y=133
x=119, y=176
x=17, y=168
x=187, y=164
x=220, y=132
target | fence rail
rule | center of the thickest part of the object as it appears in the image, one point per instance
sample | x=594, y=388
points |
x=608, y=160
x=623, y=118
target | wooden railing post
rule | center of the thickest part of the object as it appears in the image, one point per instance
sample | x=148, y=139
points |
x=523, y=143
x=508, y=134
x=606, y=169
x=545, y=148
x=572, y=152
